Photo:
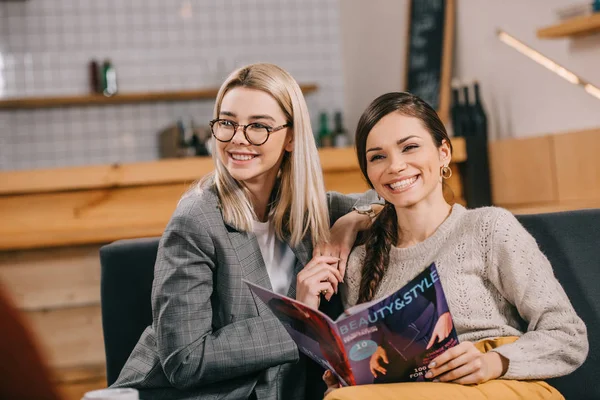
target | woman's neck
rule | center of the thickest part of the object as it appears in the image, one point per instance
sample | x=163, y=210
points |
x=417, y=223
x=260, y=194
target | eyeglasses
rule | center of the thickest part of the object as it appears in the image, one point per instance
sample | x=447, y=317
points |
x=255, y=133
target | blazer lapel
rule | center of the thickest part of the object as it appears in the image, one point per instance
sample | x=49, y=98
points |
x=252, y=267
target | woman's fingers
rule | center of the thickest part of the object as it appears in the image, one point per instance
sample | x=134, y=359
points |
x=467, y=372
x=451, y=354
x=449, y=367
x=323, y=259
x=326, y=249
x=324, y=288
x=343, y=256
x=325, y=272
x=452, y=358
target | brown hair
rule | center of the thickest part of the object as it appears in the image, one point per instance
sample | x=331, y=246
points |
x=384, y=232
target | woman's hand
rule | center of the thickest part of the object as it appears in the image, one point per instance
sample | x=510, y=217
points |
x=342, y=237
x=442, y=329
x=331, y=381
x=466, y=365
x=319, y=277
x=377, y=360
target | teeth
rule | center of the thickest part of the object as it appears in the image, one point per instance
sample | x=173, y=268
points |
x=242, y=157
x=404, y=183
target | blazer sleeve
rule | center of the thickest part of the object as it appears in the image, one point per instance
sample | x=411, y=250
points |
x=190, y=351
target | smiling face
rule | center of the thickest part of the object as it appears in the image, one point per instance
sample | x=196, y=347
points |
x=403, y=162
x=253, y=165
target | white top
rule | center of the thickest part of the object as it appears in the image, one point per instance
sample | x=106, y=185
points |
x=494, y=276
x=278, y=256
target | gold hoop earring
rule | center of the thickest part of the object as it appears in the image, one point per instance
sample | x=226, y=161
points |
x=446, y=172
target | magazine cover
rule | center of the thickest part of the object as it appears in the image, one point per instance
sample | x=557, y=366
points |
x=387, y=340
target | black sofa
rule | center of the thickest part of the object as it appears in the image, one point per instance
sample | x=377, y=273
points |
x=571, y=240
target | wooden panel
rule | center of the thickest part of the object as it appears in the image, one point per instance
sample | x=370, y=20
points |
x=161, y=172
x=102, y=215
x=121, y=98
x=69, y=337
x=113, y=176
x=577, y=158
x=522, y=171
x=346, y=182
x=94, y=216
x=454, y=185
x=52, y=278
x=578, y=26
x=459, y=150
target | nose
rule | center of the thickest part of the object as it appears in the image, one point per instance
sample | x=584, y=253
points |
x=238, y=136
x=397, y=164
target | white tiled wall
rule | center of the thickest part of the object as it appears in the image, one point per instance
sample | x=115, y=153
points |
x=46, y=47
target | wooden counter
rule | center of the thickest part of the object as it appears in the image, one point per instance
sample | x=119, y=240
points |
x=100, y=204
x=54, y=221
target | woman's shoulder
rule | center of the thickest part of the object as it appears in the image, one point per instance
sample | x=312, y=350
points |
x=495, y=227
x=484, y=218
x=199, y=206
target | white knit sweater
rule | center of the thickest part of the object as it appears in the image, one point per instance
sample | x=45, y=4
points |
x=497, y=283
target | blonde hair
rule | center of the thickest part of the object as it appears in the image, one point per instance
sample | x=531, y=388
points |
x=299, y=204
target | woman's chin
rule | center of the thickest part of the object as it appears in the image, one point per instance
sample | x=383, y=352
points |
x=404, y=200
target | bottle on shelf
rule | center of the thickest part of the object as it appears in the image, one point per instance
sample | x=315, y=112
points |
x=95, y=77
x=475, y=174
x=340, y=135
x=460, y=111
x=455, y=111
x=182, y=141
x=109, y=79
x=198, y=140
x=467, y=117
x=479, y=117
x=325, y=139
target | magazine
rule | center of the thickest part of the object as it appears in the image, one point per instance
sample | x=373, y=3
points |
x=385, y=340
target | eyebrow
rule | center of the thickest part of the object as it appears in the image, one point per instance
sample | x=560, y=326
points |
x=231, y=114
x=399, y=142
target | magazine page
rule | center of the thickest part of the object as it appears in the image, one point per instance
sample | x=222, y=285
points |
x=394, y=339
x=314, y=332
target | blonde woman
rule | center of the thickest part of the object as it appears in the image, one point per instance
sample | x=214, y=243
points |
x=257, y=217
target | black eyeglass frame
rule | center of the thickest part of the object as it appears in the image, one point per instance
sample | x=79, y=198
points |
x=236, y=126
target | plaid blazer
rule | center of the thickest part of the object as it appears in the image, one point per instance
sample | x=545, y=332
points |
x=210, y=337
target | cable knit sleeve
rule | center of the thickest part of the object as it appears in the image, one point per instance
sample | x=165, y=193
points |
x=349, y=290
x=555, y=343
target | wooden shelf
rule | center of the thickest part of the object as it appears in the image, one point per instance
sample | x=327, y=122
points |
x=125, y=98
x=573, y=27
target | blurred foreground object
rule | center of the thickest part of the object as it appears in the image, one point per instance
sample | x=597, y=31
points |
x=23, y=373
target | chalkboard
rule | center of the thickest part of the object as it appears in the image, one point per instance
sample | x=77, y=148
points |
x=429, y=52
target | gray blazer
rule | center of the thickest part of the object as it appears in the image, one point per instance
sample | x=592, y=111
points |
x=210, y=337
